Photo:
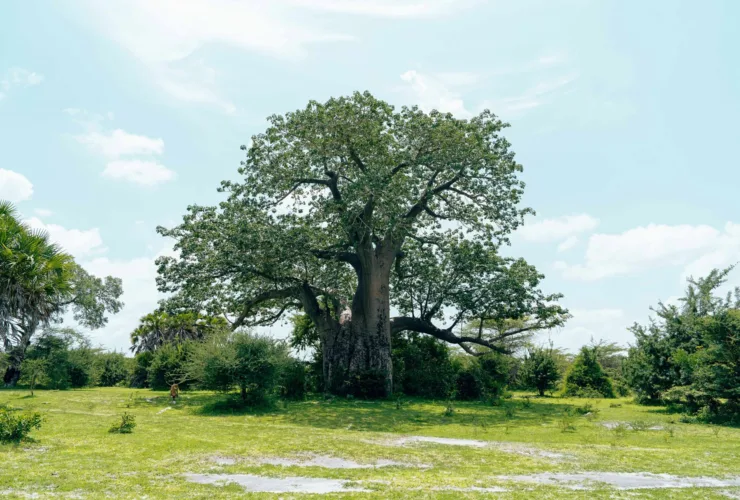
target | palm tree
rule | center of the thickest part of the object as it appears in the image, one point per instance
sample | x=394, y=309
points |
x=159, y=328
x=35, y=278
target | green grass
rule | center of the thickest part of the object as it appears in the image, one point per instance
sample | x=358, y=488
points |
x=73, y=455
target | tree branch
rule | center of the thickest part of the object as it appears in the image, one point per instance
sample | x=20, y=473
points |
x=348, y=257
x=356, y=158
x=400, y=324
x=261, y=298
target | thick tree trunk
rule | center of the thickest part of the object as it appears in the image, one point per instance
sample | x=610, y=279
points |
x=12, y=374
x=357, y=351
x=15, y=360
x=16, y=355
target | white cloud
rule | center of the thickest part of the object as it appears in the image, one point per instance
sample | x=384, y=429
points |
x=14, y=187
x=120, y=143
x=568, y=243
x=388, y=8
x=123, y=149
x=699, y=248
x=43, y=212
x=539, y=94
x=192, y=82
x=559, y=228
x=140, y=295
x=79, y=243
x=724, y=252
x=18, y=77
x=430, y=93
x=598, y=324
x=163, y=35
x=146, y=173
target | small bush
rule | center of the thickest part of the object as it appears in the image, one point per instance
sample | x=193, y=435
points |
x=111, y=368
x=482, y=378
x=251, y=364
x=567, y=422
x=422, y=366
x=16, y=426
x=620, y=429
x=640, y=425
x=586, y=409
x=293, y=380
x=125, y=425
x=586, y=377
x=509, y=411
x=140, y=370
x=449, y=409
x=167, y=366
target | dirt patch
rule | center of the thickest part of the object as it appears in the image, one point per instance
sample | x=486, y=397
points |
x=259, y=484
x=506, y=447
x=329, y=462
x=627, y=425
x=622, y=480
x=313, y=460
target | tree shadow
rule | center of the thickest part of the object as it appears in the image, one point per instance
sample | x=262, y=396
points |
x=384, y=416
x=380, y=415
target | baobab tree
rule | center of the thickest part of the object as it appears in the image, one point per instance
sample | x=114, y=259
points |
x=353, y=202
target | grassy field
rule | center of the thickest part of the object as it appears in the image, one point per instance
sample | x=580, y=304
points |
x=74, y=456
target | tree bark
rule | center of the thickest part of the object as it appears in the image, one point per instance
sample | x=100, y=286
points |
x=15, y=360
x=11, y=376
x=357, y=351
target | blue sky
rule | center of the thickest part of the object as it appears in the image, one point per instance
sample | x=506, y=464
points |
x=116, y=115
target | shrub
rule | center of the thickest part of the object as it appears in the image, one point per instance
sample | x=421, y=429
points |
x=567, y=421
x=422, y=366
x=140, y=370
x=80, y=366
x=586, y=378
x=293, y=380
x=586, y=409
x=540, y=370
x=243, y=361
x=15, y=426
x=482, y=377
x=167, y=366
x=125, y=425
x=111, y=368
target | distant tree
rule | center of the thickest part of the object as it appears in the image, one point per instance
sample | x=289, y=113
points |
x=159, y=328
x=690, y=353
x=38, y=284
x=111, y=368
x=59, y=358
x=540, y=369
x=586, y=377
x=34, y=372
x=611, y=356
